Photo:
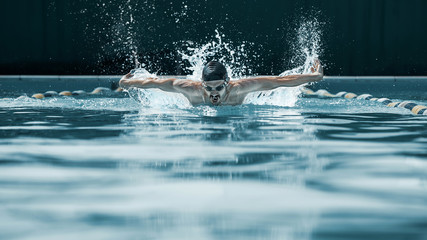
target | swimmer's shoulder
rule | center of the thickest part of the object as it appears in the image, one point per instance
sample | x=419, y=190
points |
x=187, y=83
x=237, y=93
x=235, y=86
x=191, y=89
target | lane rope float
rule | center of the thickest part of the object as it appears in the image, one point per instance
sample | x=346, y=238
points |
x=96, y=91
x=322, y=93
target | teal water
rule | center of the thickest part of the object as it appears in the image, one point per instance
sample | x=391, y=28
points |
x=107, y=168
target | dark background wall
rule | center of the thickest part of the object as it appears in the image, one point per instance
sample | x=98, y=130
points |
x=363, y=37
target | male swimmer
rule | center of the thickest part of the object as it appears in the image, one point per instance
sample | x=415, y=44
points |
x=217, y=89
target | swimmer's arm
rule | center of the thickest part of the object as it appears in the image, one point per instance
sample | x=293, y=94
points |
x=271, y=82
x=168, y=84
x=164, y=84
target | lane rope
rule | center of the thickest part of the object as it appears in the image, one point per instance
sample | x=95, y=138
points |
x=322, y=93
x=96, y=91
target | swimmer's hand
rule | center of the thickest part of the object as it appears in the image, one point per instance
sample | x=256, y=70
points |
x=317, y=68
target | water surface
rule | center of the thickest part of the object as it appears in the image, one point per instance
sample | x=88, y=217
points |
x=107, y=168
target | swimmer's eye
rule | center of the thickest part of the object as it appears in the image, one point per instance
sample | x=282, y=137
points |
x=220, y=87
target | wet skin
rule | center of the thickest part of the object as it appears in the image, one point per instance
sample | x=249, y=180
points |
x=234, y=93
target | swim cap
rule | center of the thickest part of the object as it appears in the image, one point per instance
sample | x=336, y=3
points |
x=214, y=71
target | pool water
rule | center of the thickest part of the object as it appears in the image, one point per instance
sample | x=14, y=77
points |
x=109, y=168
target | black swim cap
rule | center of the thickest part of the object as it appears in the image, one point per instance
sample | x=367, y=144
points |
x=214, y=71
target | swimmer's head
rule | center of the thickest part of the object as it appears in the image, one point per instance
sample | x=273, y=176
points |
x=215, y=81
x=214, y=71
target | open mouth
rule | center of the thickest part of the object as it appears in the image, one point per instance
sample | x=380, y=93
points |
x=215, y=99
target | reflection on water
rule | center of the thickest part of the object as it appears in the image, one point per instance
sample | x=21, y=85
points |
x=107, y=169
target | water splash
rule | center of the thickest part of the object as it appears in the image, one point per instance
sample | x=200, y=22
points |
x=197, y=55
x=233, y=57
x=306, y=48
x=154, y=97
x=115, y=27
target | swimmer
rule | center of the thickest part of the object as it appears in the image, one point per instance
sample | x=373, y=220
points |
x=216, y=87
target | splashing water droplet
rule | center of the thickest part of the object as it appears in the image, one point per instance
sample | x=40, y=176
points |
x=307, y=49
x=219, y=50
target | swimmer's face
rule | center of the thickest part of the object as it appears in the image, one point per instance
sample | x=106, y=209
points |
x=215, y=90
